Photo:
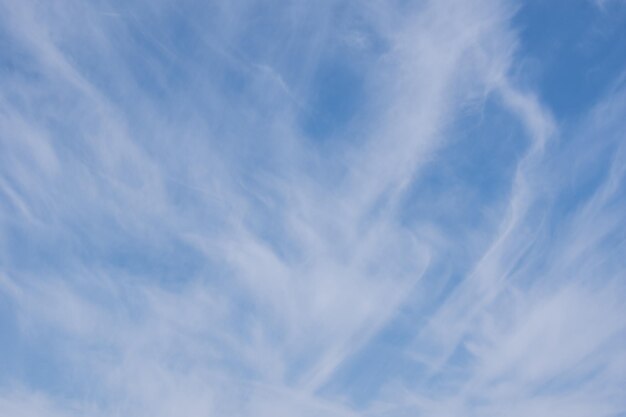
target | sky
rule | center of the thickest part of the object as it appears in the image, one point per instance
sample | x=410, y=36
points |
x=294, y=208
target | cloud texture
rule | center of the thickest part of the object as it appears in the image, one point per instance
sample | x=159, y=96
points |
x=296, y=208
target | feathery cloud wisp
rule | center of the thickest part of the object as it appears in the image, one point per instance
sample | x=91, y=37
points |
x=279, y=209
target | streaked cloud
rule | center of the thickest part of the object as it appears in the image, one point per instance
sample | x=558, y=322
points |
x=307, y=208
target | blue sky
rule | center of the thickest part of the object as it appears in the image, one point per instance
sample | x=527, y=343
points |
x=298, y=208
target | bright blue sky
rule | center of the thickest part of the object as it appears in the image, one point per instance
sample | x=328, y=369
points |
x=313, y=208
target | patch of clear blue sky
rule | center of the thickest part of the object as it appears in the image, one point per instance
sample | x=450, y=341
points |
x=571, y=50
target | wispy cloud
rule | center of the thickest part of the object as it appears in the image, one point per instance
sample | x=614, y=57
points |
x=283, y=209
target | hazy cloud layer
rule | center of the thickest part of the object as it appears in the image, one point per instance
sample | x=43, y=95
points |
x=312, y=208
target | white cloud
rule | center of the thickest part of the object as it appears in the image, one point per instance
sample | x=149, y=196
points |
x=181, y=247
